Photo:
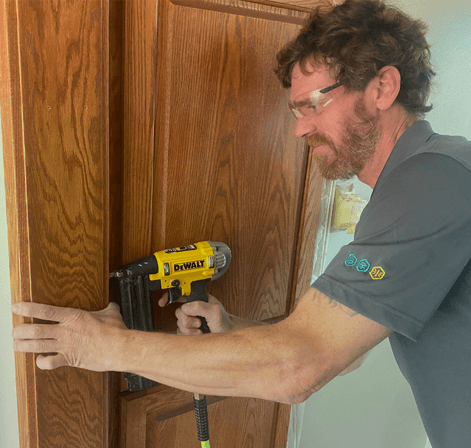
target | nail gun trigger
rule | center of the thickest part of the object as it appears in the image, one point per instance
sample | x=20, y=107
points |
x=174, y=294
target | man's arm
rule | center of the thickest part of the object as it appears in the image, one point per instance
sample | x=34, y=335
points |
x=344, y=335
x=284, y=362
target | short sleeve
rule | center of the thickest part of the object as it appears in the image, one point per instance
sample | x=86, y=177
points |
x=411, y=244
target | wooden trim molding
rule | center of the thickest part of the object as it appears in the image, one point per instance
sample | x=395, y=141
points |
x=55, y=103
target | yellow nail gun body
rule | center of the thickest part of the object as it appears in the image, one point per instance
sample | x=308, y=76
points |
x=183, y=271
x=179, y=269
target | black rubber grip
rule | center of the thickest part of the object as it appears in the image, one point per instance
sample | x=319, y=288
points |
x=198, y=292
x=201, y=411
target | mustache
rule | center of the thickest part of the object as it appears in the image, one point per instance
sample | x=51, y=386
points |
x=317, y=140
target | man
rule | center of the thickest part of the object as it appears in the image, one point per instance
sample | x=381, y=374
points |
x=359, y=78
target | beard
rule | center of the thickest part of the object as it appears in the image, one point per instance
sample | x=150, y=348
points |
x=356, y=148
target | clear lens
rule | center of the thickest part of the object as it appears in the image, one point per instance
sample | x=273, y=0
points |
x=297, y=113
x=312, y=103
x=307, y=104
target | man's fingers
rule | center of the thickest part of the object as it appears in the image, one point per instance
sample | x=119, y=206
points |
x=35, y=331
x=187, y=325
x=50, y=362
x=40, y=311
x=36, y=345
x=196, y=308
x=35, y=338
x=187, y=331
x=164, y=300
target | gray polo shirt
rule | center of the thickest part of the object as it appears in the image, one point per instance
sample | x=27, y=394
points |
x=409, y=269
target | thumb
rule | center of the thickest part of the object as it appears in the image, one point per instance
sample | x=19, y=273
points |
x=50, y=362
x=112, y=306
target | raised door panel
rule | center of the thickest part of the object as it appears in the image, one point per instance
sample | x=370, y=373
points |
x=225, y=167
x=235, y=423
x=166, y=418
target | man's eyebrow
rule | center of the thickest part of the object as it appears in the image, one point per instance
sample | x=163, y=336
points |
x=304, y=102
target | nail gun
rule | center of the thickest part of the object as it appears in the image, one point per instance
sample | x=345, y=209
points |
x=182, y=271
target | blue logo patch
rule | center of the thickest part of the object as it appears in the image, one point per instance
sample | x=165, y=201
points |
x=363, y=266
x=351, y=260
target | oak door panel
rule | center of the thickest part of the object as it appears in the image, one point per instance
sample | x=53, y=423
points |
x=235, y=423
x=166, y=418
x=173, y=110
x=54, y=65
x=226, y=167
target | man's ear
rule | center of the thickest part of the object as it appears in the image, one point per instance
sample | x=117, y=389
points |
x=385, y=87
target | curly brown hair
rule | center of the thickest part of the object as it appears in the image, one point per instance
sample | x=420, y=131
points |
x=358, y=38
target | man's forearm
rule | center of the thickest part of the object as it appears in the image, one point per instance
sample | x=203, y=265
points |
x=255, y=362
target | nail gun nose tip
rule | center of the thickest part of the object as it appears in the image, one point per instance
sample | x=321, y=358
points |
x=114, y=274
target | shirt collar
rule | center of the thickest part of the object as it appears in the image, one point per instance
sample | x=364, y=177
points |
x=409, y=142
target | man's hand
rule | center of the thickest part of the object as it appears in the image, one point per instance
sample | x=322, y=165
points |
x=218, y=319
x=79, y=339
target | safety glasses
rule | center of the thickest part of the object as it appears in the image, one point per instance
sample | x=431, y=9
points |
x=309, y=104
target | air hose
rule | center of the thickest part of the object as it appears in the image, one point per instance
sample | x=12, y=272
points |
x=201, y=407
x=201, y=411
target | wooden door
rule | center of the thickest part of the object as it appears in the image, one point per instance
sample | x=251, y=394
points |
x=130, y=127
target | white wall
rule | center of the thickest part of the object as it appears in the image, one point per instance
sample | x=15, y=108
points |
x=373, y=407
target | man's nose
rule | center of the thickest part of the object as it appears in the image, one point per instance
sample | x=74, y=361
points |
x=304, y=127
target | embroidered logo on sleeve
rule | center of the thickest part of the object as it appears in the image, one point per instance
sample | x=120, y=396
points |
x=377, y=273
x=351, y=260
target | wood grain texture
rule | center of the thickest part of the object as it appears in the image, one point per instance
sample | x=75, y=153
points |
x=15, y=192
x=160, y=404
x=60, y=179
x=201, y=147
x=280, y=433
x=307, y=233
x=139, y=126
x=299, y=5
x=234, y=423
x=165, y=416
x=246, y=188
x=228, y=166
x=116, y=137
x=116, y=161
x=245, y=8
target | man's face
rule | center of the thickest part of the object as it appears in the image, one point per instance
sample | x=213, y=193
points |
x=342, y=135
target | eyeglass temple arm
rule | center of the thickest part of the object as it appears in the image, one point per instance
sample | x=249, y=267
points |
x=328, y=89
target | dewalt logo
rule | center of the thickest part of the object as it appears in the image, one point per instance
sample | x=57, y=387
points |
x=178, y=267
x=377, y=273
